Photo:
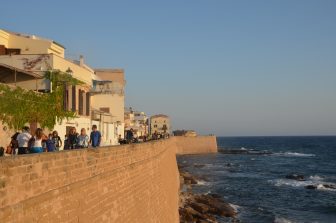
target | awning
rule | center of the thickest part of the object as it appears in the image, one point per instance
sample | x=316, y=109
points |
x=10, y=74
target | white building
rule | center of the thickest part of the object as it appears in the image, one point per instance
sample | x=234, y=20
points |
x=138, y=121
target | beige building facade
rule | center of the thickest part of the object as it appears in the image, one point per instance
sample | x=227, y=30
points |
x=160, y=124
x=36, y=55
x=19, y=43
x=108, y=95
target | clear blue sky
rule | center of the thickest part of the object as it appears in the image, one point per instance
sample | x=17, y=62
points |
x=216, y=66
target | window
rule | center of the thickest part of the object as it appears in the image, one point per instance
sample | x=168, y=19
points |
x=155, y=126
x=164, y=128
x=13, y=51
x=105, y=109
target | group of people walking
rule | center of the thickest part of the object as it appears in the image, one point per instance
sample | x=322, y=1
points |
x=24, y=142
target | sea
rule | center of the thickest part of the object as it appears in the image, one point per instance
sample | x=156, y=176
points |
x=255, y=181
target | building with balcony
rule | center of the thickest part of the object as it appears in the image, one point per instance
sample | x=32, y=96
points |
x=108, y=95
x=160, y=124
x=29, y=54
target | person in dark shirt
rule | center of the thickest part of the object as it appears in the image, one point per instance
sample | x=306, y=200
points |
x=2, y=151
x=72, y=138
x=95, y=137
x=121, y=140
x=129, y=136
x=50, y=144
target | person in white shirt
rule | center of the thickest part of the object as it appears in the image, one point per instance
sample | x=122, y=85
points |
x=23, y=139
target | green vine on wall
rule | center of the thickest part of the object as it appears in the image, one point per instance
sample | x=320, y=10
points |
x=19, y=106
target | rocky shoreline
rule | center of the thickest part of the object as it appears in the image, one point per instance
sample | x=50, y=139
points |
x=201, y=208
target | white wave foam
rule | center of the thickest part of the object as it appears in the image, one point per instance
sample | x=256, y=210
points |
x=243, y=148
x=315, y=178
x=288, y=182
x=235, y=207
x=202, y=183
x=295, y=154
x=293, y=183
x=322, y=187
x=282, y=220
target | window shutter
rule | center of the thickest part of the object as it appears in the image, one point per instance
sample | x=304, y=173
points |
x=73, y=98
x=80, y=102
x=88, y=104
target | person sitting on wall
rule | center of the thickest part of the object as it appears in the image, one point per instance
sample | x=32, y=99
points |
x=95, y=137
x=14, y=144
x=23, y=139
x=121, y=140
x=155, y=135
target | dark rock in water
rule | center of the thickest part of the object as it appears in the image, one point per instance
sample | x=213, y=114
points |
x=297, y=177
x=229, y=164
x=204, y=208
x=216, y=205
x=215, y=195
x=233, y=151
x=182, y=166
x=201, y=208
x=188, y=178
x=327, y=186
x=311, y=187
x=330, y=186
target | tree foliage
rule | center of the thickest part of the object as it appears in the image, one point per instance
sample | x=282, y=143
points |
x=19, y=106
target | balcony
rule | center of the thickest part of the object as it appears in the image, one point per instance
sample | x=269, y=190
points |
x=106, y=87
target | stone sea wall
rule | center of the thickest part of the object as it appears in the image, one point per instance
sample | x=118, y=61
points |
x=195, y=145
x=129, y=183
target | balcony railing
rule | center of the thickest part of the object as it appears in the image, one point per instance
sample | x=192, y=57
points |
x=106, y=87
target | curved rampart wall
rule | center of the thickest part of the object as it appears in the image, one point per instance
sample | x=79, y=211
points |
x=130, y=183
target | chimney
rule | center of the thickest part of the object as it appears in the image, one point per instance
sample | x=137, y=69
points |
x=81, y=60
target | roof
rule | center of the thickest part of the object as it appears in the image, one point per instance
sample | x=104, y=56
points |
x=160, y=116
x=109, y=69
x=33, y=37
